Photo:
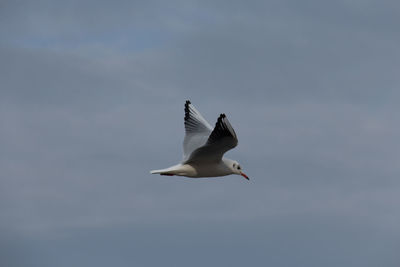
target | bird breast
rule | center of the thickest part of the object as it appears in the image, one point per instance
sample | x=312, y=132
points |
x=206, y=170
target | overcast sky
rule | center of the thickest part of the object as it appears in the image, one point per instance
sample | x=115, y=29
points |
x=91, y=99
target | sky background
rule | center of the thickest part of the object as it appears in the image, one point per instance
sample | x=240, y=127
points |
x=91, y=100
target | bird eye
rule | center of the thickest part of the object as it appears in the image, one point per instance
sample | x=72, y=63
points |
x=238, y=167
x=234, y=165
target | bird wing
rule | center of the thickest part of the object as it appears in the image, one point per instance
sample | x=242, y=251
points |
x=197, y=130
x=221, y=139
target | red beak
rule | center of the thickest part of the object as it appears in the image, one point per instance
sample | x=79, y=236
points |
x=244, y=175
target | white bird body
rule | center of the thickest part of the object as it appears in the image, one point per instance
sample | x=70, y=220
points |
x=198, y=170
x=204, y=147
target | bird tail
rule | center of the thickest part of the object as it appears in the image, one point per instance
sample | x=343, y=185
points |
x=173, y=170
x=156, y=171
x=167, y=171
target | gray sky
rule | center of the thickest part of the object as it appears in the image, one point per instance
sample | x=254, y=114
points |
x=91, y=99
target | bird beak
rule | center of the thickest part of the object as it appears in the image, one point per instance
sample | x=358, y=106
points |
x=244, y=175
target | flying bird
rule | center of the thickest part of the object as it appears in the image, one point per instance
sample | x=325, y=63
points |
x=204, y=147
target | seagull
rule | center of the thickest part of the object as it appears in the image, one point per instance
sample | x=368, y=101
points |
x=204, y=147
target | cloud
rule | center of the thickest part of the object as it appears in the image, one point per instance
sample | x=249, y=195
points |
x=92, y=99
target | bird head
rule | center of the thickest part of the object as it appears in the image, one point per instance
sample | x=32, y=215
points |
x=237, y=169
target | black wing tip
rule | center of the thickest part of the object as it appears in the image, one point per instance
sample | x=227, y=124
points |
x=221, y=130
x=219, y=122
x=187, y=110
x=187, y=106
x=221, y=116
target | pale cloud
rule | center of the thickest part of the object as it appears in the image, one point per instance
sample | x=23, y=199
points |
x=92, y=98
